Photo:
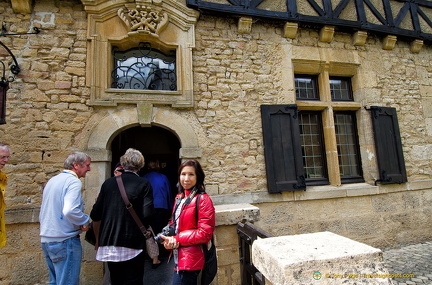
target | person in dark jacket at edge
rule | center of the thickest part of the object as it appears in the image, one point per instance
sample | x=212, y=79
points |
x=191, y=225
x=120, y=242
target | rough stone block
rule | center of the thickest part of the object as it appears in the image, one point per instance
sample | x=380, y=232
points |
x=324, y=256
x=233, y=213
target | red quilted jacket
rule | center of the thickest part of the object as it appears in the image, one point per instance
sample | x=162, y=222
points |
x=193, y=233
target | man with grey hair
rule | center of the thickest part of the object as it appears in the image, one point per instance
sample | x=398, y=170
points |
x=4, y=158
x=62, y=220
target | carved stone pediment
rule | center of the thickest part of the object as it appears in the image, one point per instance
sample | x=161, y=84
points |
x=168, y=25
x=144, y=19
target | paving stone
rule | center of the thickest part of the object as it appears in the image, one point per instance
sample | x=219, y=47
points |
x=411, y=259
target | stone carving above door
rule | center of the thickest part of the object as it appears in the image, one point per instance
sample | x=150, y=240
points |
x=144, y=19
x=166, y=24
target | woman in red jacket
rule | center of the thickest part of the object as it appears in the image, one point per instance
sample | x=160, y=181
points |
x=193, y=224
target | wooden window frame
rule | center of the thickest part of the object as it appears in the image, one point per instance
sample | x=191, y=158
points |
x=321, y=180
x=328, y=108
x=353, y=178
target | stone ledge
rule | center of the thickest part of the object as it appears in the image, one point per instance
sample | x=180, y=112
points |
x=320, y=192
x=323, y=256
x=232, y=214
x=22, y=216
x=225, y=214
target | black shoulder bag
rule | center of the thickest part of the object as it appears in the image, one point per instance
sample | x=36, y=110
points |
x=208, y=273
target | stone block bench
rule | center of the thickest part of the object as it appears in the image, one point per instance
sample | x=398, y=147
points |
x=318, y=258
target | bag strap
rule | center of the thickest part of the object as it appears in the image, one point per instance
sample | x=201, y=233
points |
x=130, y=208
x=204, y=245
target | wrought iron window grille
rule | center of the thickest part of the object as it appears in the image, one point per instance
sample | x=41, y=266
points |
x=14, y=69
x=144, y=68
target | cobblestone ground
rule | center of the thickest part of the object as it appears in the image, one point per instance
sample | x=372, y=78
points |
x=412, y=259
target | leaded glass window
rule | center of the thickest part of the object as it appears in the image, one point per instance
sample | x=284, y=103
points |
x=311, y=137
x=347, y=145
x=144, y=68
x=306, y=87
x=340, y=89
x=339, y=144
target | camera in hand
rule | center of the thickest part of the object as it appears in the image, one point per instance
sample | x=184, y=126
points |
x=167, y=231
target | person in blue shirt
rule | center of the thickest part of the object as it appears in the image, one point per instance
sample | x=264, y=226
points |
x=62, y=220
x=162, y=199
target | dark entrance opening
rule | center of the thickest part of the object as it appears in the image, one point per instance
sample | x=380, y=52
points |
x=153, y=143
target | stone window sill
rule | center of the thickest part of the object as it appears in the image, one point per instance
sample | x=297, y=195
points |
x=319, y=192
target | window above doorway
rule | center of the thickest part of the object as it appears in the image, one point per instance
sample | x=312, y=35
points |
x=144, y=62
x=144, y=68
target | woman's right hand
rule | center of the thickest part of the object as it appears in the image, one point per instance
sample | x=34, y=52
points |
x=170, y=243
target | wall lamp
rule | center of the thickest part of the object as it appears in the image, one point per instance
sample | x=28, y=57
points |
x=14, y=69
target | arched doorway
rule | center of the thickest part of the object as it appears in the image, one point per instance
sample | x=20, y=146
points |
x=144, y=127
x=154, y=143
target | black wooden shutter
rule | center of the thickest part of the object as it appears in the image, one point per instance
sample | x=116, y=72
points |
x=391, y=163
x=282, y=148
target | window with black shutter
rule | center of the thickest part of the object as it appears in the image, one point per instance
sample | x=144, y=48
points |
x=391, y=163
x=283, y=153
x=314, y=142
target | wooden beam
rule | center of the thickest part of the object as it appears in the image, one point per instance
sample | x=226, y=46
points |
x=368, y=16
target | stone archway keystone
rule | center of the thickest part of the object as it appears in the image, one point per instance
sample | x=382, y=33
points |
x=119, y=119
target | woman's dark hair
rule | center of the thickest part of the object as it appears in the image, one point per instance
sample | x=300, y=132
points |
x=199, y=174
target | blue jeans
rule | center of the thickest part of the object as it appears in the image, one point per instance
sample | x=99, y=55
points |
x=184, y=277
x=64, y=261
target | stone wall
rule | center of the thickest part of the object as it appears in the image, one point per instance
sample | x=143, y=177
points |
x=47, y=103
x=49, y=115
x=236, y=73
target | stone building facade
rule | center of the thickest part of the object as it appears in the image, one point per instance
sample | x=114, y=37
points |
x=62, y=101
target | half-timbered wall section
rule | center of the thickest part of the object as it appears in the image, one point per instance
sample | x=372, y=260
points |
x=408, y=19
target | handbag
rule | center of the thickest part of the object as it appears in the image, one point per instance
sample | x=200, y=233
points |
x=209, y=271
x=151, y=245
x=90, y=236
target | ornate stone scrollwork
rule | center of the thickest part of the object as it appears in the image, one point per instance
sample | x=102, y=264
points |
x=144, y=19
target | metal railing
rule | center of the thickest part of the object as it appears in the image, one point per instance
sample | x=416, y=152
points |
x=247, y=234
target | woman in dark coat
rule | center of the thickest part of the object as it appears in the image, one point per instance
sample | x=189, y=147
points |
x=121, y=243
